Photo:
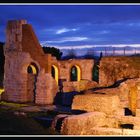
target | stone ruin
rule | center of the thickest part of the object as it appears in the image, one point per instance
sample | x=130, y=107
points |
x=112, y=102
x=28, y=70
x=110, y=111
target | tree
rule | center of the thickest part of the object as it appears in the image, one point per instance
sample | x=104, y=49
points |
x=90, y=54
x=71, y=54
x=101, y=55
x=54, y=51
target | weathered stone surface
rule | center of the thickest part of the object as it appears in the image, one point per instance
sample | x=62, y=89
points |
x=104, y=131
x=59, y=118
x=113, y=69
x=112, y=131
x=129, y=94
x=137, y=112
x=108, y=104
x=22, y=49
x=85, y=65
x=78, y=86
x=129, y=120
x=79, y=124
x=131, y=132
x=46, y=89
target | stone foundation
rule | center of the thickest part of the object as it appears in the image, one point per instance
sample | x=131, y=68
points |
x=108, y=104
x=22, y=49
x=79, y=124
x=116, y=69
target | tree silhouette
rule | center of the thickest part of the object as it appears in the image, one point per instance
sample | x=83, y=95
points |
x=71, y=54
x=54, y=51
x=101, y=55
x=89, y=54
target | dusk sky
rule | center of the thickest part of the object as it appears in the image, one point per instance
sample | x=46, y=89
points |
x=78, y=26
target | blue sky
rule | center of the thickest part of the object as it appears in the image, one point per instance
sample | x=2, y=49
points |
x=78, y=26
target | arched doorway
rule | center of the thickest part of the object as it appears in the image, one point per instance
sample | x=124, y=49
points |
x=32, y=71
x=95, y=73
x=75, y=73
x=54, y=72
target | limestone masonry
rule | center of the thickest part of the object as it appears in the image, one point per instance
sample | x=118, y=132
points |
x=28, y=76
x=111, y=102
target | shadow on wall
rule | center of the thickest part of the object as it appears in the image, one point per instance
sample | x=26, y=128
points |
x=65, y=98
x=116, y=84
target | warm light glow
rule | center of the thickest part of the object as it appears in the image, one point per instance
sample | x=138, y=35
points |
x=1, y=90
x=33, y=69
x=55, y=73
x=133, y=99
x=78, y=73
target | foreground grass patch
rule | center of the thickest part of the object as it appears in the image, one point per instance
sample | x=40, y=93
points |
x=15, y=105
x=20, y=125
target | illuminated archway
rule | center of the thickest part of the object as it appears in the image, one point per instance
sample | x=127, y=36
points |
x=75, y=73
x=32, y=69
x=54, y=72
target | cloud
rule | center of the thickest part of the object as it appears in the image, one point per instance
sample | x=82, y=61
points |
x=63, y=30
x=121, y=45
x=82, y=49
x=76, y=47
x=65, y=39
x=104, y=32
x=133, y=46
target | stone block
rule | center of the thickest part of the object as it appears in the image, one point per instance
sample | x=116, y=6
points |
x=137, y=112
x=104, y=131
x=131, y=132
x=108, y=104
x=79, y=124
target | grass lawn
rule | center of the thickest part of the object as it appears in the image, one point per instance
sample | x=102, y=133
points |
x=10, y=123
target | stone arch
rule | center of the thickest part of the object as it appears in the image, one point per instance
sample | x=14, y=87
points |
x=95, y=73
x=32, y=73
x=75, y=73
x=32, y=68
x=55, y=73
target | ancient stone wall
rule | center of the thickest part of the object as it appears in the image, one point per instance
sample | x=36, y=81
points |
x=46, y=89
x=79, y=124
x=115, y=69
x=79, y=86
x=106, y=99
x=109, y=104
x=15, y=79
x=30, y=87
x=130, y=94
x=86, y=67
x=21, y=49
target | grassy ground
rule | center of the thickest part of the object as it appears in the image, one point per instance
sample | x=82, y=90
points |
x=10, y=123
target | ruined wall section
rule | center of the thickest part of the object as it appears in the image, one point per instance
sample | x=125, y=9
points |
x=14, y=86
x=46, y=88
x=31, y=45
x=86, y=67
x=21, y=49
x=113, y=69
x=15, y=78
x=129, y=94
